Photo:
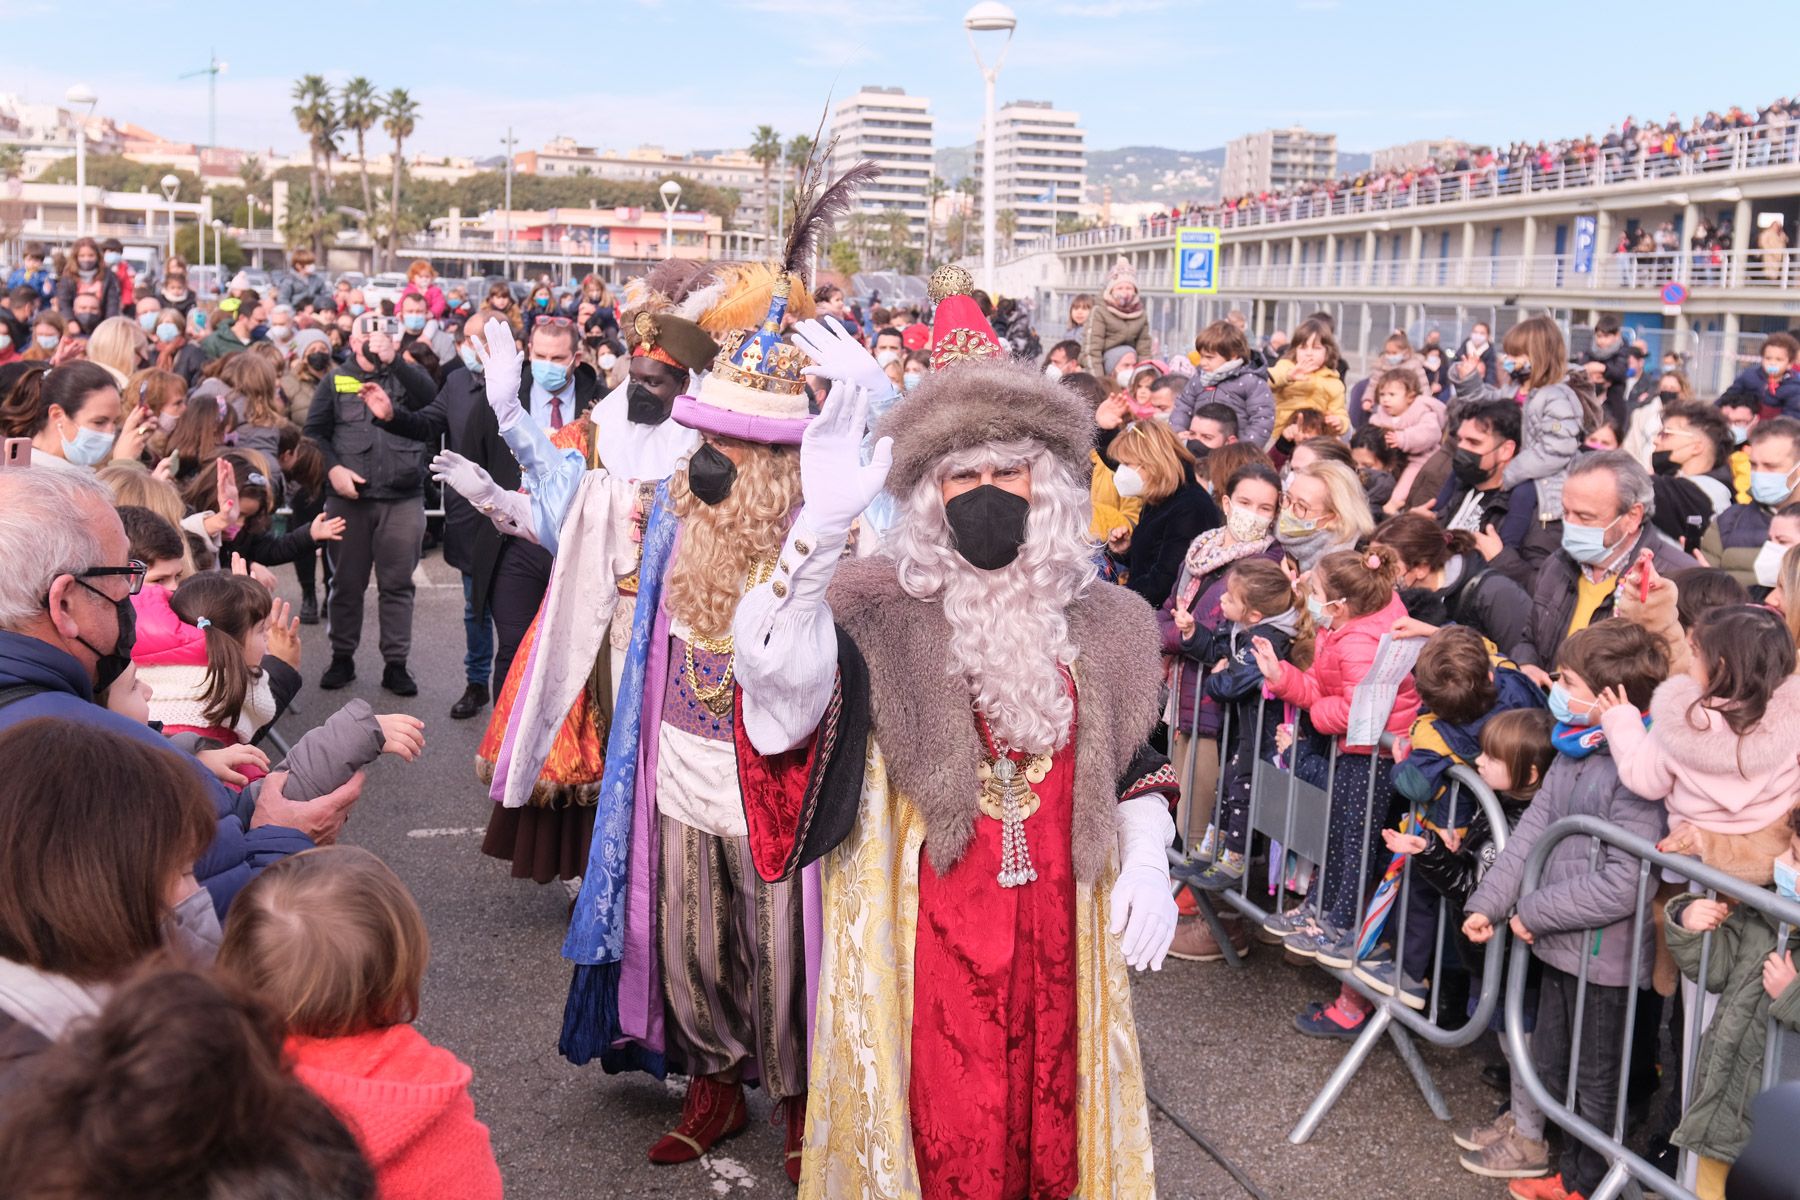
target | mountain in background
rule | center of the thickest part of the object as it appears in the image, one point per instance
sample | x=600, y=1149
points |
x=1139, y=173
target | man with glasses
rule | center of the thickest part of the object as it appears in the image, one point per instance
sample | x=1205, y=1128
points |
x=377, y=480
x=67, y=627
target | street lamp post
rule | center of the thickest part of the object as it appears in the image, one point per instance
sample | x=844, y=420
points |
x=81, y=96
x=171, y=187
x=218, y=258
x=510, y=143
x=671, y=196
x=989, y=16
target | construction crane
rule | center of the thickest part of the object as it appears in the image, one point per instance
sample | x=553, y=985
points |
x=212, y=70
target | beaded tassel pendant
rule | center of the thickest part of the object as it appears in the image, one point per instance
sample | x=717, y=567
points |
x=1006, y=795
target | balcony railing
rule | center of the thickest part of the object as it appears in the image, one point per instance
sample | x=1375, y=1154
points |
x=1736, y=150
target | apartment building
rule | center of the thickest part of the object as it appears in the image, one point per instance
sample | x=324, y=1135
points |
x=564, y=157
x=894, y=130
x=1277, y=160
x=1040, y=155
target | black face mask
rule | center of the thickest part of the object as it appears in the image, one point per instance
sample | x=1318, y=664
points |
x=645, y=407
x=710, y=474
x=87, y=321
x=319, y=361
x=1662, y=462
x=113, y=663
x=1466, y=466
x=988, y=524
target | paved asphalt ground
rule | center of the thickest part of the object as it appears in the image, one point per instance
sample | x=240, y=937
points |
x=1219, y=1047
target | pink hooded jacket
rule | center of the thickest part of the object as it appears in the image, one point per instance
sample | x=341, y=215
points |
x=163, y=638
x=1341, y=657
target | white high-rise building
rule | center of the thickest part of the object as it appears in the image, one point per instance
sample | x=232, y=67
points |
x=893, y=129
x=1041, y=155
x=1277, y=160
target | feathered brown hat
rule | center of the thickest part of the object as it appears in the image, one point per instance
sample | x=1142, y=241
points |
x=981, y=402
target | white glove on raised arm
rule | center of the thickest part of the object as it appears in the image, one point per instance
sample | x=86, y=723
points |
x=839, y=357
x=1143, y=904
x=834, y=483
x=509, y=511
x=502, y=366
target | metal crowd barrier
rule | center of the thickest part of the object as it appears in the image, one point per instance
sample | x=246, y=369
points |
x=1626, y=1165
x=1286, y=810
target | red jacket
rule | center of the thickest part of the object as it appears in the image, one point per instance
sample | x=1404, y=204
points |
x=408, y=1104
x=1341, y=657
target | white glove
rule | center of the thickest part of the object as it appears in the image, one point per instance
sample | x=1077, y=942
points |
x=835, y=484
x=1143, y=903
x=465, y=477
x=501, y=366
x=839, y=357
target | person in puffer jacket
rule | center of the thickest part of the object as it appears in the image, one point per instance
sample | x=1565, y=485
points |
x=336, y=945
x=1557, y=417
x=1225, y=377
x=1583, y=908
x=1118, y=320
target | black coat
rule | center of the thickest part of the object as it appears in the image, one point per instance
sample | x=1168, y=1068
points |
x=110, y=294
x=1160, y=541
x=390, y=460
x=1483, y=598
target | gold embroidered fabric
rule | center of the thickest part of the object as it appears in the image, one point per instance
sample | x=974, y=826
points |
x=858, y=1133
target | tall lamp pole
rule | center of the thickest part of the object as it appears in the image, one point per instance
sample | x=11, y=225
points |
x=671, y=196
x=218, y=257
x=81, y=96
x=989, y=16
x=509, y=143
x=171, y=188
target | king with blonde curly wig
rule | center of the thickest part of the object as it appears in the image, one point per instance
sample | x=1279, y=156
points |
x=720, y=543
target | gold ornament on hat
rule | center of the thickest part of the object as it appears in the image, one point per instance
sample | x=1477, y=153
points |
x=949, y=280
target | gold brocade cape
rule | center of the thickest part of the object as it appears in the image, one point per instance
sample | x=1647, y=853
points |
x=858, y=1126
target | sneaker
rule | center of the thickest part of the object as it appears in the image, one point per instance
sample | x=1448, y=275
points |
x=1483, y=1136
x=1208, y=848
x=1281, y=924
x=395, y=679
x=1336, y=947
x=1330, y=1021
x=309, y=610
x=1379, y=975
x=340, y=672
x=474, y=699
x=1305, y=942
x=1226, y=873
x=1194, y=940
x=1550, y=1187
x=1512, y=1157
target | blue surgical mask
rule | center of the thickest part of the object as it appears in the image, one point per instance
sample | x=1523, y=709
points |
x=1770, y=487
x=112, y=258
x=1740, y=434
x=911, y=380
x=1786, y=881
x=413, y=321
x=357, y=310
x=1587, y=543
x=1561, y=709
x=167, y=332
x=470, y=359
x=148, y=320
x=47, y=341
x=1317, y=608
x=90, y=447
x=549, y=376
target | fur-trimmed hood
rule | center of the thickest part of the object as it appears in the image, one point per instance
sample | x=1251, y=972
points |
x=924, y=723
x=1714, y=749
x=979, y=402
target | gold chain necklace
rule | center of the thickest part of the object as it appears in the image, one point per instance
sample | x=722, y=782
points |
x=717, y=698
x=1007, y=795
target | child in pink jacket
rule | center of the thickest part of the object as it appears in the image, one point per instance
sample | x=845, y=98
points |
x=1414, y=424
x=1722, y=750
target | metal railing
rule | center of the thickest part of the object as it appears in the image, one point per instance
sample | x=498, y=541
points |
x=1625, y=1164
x=1296, y=816
x=1734, y=150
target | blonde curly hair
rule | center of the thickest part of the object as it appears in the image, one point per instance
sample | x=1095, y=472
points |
x=720, y=541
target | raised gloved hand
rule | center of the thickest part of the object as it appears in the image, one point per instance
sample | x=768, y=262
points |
x=501, y=367
x=466, y=478
x=1143, y=904
x=835, y=483
x=839, y=357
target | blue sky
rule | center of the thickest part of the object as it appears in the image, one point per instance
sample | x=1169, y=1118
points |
x=701, y=73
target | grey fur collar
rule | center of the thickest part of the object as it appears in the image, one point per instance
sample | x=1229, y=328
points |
x=923, y=722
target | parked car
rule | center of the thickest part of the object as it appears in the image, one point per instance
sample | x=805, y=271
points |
x=386, y=286
x=355, y=279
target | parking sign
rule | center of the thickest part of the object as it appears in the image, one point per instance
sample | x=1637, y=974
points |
x=1197, y=260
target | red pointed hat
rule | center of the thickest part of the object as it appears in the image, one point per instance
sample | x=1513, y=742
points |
x=959, y=333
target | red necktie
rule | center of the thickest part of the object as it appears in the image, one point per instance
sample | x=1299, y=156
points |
x=556, y=421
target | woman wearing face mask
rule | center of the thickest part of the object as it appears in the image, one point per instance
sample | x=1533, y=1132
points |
x=310, y=362
x=46, y=336
x=1323, y=509
x=1690, y=471
x=120, y=345
x=163, y=395
x=84, y=273
x=117, y=840
x=72, y=414
x=541, y=303
x=499, y=303
x=606, y=309
x=173, y=291
x=175, y=347
x=1149, y=462
x=1784, y=535
x=1251, y=498
x=916, y=367
x=1444, y=580
x=1119, y=365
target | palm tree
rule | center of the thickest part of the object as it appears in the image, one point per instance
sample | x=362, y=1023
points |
x=934, y=188
x=1006, y=226
x=361, y=108
x=799, y=149
x=12, y=160
x=765, y=148
x=400, y=115
x=312, y=103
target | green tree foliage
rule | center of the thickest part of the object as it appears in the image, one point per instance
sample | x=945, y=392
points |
x=116, y=173
x=187, y=246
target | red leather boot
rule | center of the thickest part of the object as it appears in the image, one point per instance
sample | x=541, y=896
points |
x=796, y=1134
x=712, y=1112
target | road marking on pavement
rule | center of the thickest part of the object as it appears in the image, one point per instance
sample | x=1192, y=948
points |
x=435, y=833
x=422, y=578
x=727, y=1173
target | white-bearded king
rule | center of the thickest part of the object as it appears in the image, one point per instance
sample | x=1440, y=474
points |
x=956, y=731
